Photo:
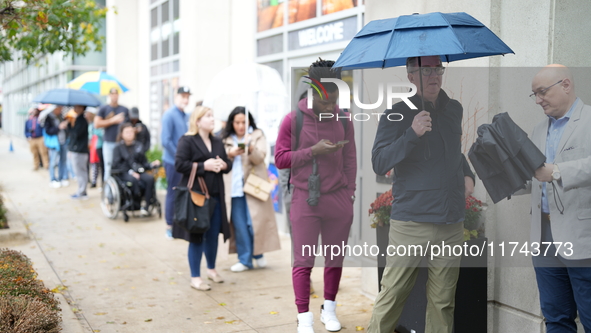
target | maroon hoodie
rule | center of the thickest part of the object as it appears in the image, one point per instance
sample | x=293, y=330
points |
x=336, y=170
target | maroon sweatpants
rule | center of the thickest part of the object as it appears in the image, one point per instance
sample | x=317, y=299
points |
x=331, y=219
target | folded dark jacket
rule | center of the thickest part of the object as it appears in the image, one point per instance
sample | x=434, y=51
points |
x=504, y=157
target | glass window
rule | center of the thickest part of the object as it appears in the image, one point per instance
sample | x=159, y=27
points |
x=175, y=43
x=270, y=45
x=175, y=9
x=270, y=14
x=165, y=48
x=154, y=53
x=333, y=6
x=301, y=10
x=165, y=11
x=154, y=17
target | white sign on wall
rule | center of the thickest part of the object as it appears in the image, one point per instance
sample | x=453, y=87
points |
x=336, y=31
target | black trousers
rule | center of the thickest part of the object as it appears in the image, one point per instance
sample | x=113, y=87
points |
x=146, y=183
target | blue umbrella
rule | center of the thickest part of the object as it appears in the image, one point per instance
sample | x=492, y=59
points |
x=69, y=97
x=387, y=43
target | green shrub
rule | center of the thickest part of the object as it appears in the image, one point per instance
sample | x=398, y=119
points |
x=26, y=305
x=154, y=154
x=3, y=219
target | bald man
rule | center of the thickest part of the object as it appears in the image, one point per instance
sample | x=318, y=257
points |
x=561, y=201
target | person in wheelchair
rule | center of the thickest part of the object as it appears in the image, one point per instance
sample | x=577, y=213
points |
x=130, y=165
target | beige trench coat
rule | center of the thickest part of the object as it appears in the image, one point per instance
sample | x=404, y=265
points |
x=264, y=225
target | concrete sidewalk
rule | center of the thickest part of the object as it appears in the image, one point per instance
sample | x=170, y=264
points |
x=126, y=277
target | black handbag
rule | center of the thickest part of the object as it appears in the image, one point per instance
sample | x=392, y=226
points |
x=191, y=209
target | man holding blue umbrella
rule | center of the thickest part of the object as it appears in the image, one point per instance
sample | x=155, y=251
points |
x=433, y=179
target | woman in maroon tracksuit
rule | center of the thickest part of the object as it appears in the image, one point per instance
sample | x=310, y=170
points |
x=333, y=215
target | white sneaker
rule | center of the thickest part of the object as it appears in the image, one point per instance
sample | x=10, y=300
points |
x=305, y=322
x=261, y=262
x=328, y=316
x=55, y=184
x=65, y=183
x=144, y=212
x=238, y=267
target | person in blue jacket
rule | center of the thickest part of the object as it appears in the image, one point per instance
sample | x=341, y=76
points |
x=174, y=126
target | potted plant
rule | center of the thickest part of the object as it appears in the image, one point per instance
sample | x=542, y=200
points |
x=473, y=228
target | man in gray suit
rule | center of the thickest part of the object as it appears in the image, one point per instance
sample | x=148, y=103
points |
x=561, y=202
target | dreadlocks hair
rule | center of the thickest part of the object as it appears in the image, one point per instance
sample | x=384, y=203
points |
x=323, y=69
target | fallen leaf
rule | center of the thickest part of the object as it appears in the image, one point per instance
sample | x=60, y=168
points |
x=148, y=320
x=220, y=318
x=124, y=323
x=339, y=304
x=277, y=297
x=102, y=245
x=100, y=313
x=155, y=279
x=230, y=322
x=96, y=330
x=207, y=322
x=110, y=322
x=314, y=296
x=359, y=328
x=273, y=312
x=223, y=304
x=75, y=310
x=151, y=305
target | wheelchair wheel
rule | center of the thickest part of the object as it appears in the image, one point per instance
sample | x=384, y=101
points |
x=111, y=198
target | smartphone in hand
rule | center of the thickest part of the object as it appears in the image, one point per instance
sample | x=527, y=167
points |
x=342, y=142
x=242, y=146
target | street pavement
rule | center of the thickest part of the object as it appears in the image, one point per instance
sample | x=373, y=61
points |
x=127, y=277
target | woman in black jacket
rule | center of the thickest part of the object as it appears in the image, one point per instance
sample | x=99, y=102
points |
x=130, y=163
x=200, y=146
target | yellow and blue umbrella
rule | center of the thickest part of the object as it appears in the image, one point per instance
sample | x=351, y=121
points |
x=97, y=82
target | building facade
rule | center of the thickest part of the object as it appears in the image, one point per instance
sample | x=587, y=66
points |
x=22, y=82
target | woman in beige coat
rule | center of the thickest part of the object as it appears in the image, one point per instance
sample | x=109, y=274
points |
x=252, y=221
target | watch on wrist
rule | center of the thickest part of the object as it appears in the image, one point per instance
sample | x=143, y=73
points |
x=353, y=198
x=555, y=173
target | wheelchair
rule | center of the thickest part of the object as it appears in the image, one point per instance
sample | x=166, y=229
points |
x=117, y=196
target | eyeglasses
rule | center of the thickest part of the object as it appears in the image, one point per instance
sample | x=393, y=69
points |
x=426, y=71
x=542, y=92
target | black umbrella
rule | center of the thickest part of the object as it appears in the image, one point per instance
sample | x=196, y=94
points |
x=504, y=157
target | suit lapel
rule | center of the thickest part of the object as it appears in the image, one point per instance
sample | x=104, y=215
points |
x=570, y=126
x=201, y=145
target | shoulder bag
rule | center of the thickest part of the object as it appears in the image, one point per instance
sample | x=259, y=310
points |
x=191, y=209
x=257, y=187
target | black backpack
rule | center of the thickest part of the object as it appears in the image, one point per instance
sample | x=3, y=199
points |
x=298, y=131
